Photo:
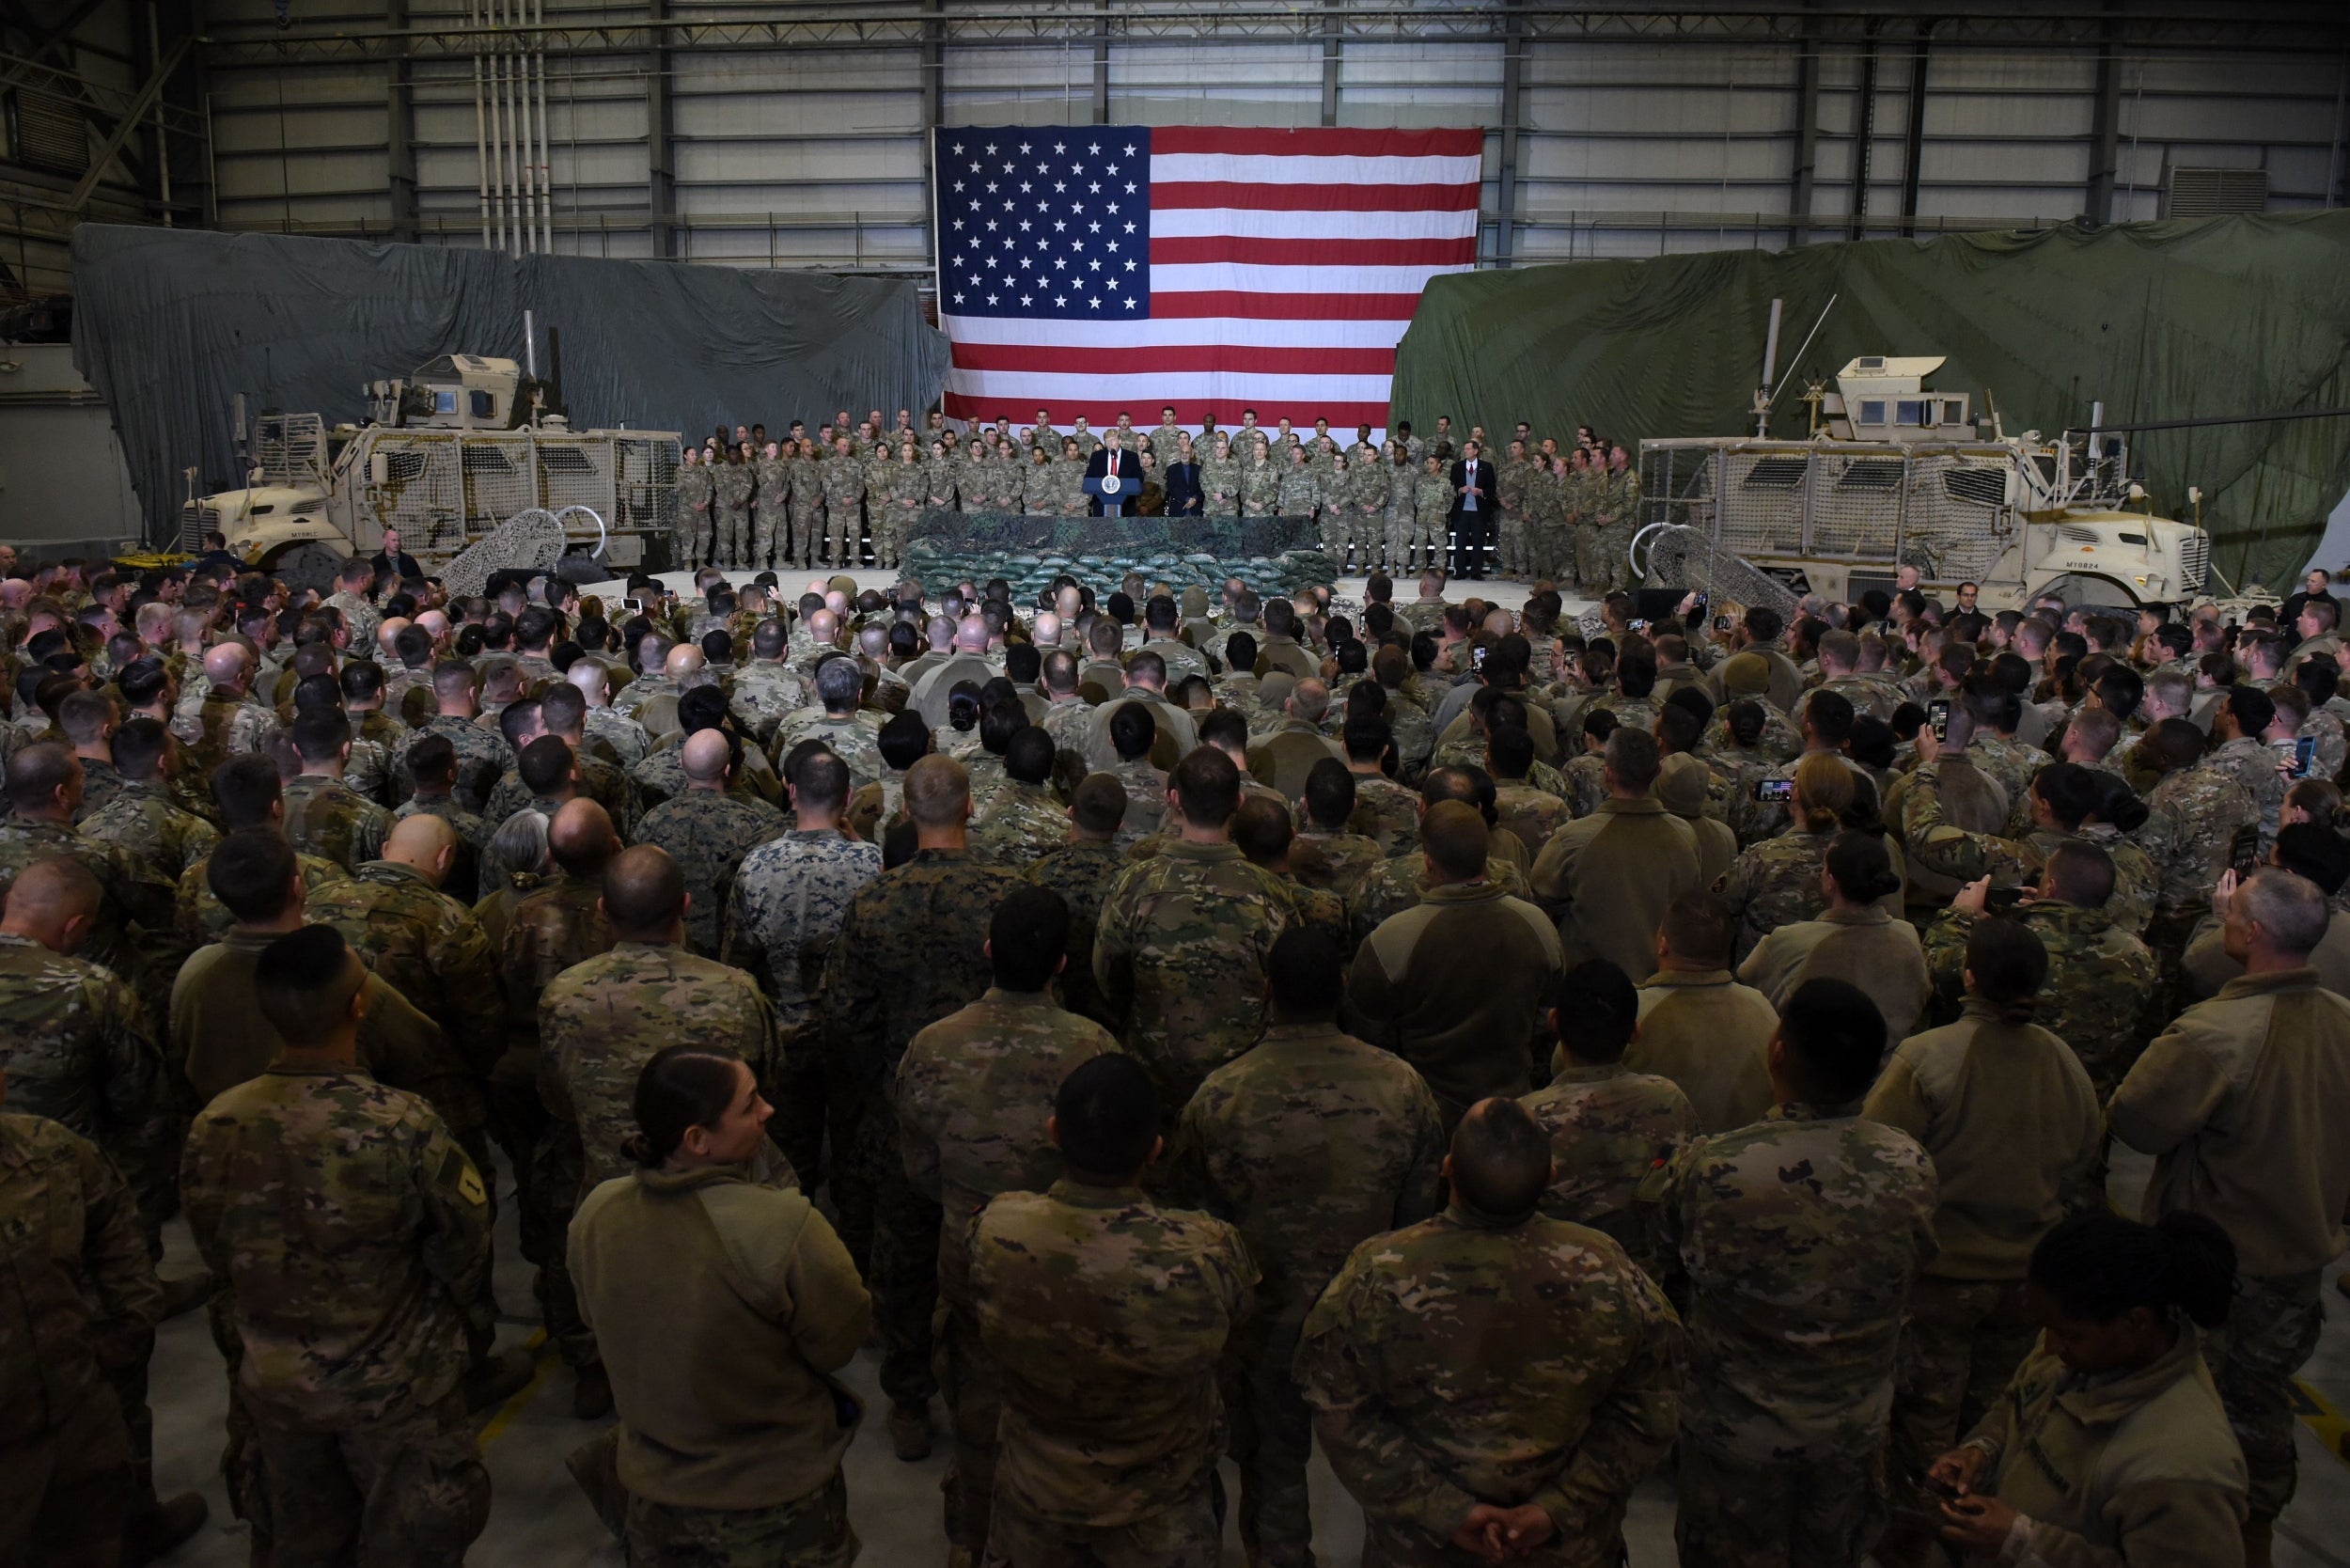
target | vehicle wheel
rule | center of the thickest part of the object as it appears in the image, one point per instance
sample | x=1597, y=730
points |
x=305, y=565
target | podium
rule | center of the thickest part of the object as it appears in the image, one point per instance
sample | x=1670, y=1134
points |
x=1113, y=491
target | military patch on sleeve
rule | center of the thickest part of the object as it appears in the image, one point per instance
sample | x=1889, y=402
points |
x=469, y=1184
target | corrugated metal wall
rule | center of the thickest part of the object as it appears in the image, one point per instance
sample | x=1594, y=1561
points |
x=804, y=145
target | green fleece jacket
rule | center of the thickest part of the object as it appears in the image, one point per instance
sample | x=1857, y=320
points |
x=720, y=1307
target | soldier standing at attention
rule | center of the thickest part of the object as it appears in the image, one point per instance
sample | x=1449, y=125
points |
x=1312, y=1142
x=353, y=1237
x=732, y=484
x=724, y=1307
x=1802, y=1236
x=695, y=492
x=1108, y=1316
x=844, y=495
x=1490, y=1384
x=974, y=1092
x=770, y=535
x=911, y=949
x=807, y=507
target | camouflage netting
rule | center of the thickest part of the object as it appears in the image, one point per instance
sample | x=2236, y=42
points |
x=1272, y=555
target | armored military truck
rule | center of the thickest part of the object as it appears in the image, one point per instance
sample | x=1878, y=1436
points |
x=1894, y=474
x=447, y=456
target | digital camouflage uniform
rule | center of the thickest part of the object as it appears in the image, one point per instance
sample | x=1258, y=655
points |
x=1261, y=486
x=911, y=950
x=1219, y=486
x=326, y=817
x=1366, y=496
x=134, y=898
x=2102, y=990
x=1774, y=884
x=732, y=484
x=228, y=724
x=1179, y=956
x=77, y=1047
x=80, y=1310
x=1466, y=1360
x=696, y=521
x=844, y=493
x=1309, y=1142
x=1609, y=1128
x=350, y=1235
x=143, y=819
x=788, y=898
x=2192, y=819
x=1387, y=813
x=848, y=736
x=708, y=832
x=1334, y=862
x=807, y=510
x=1109, y=1319
x=482, y=753
x=199, y=917
x=1514, y=473
x=1082, y=873
x=1022, y=825
x=764, y=693
x=1802, y=1236
x=1396, y=544
x=973, y=1093
x=771, y=543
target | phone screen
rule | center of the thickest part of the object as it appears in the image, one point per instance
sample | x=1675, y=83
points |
x=1773, y=791
x=2002, y=898
x=2244, y=850
x=1938, y=715
x=1721, y=623
x=633, y=607
x=2304, y=756
x=1477, y=657
x=1637, y=625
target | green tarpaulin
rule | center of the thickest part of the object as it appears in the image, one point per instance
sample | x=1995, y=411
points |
x=2161, y=320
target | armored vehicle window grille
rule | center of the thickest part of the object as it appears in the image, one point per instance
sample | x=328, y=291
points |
x=2070, y=535
x=565, y=459
x=1985, y=487
x=1776, y=473
x=403, y=467
x=1871, y=474
x=2194, y=559
x=486, y=460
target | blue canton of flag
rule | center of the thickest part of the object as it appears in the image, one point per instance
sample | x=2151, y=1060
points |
x=1050, y=222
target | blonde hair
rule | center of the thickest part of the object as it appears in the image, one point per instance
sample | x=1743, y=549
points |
x=1823, y=793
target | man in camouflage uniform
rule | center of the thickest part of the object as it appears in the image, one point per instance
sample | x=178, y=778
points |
x=84, y=1306
x=1513, y=472
x=844, y=496
x=1109, y=1319
x=974, y=1091
x=1083, y=870
x=44, y=788
x=1491, y=1383
x=732, y=484
x=1401, y=481
x=770, y=535
x=352, y=1327
x=1609, y=1127
x=807, y=504
x=144, y=817
x=708, y=832
x=1618, y=506
x=2194, y=816
x=349, y=599
x=227, y=722
x=788, y=897
x=74, y=1040
x=1181, y=950
x=1367, y=491
x=1310, y=1142
x=1021, y=822
x=767, y=688
x=911, y=949
x=850, y=734
x=325, y=816
x=695, y=490
x=482, y=754
x=1298, y=493
x=1802, y=1237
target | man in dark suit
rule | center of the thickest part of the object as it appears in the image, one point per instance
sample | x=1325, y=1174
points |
x=1108, y=460
x=1473, y=512
x=1181, y=477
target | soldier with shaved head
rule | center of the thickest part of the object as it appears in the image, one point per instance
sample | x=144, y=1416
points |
x=708, y=831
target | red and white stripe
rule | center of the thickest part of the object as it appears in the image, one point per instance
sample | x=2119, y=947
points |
x=1284, y=267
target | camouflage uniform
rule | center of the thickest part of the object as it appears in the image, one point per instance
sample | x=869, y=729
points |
x=1309, y=1142
x=2101, y=996
x=708, y=832
x=696, y=489
x=77, y=1048
x=480, y=751
x=911, y=949
x=2192, y=819
x=1396, y=885
x=1609, y=1128
x=1082, y=873
x=100, y=783
x=848, y=736
x=769, y=533
x=134, y=895
x=430, y=949
x=226, y=723
x=1219, y=486
x=807, y=504
x=1334, y=862
x=1021, y=826
x=1802, y=1236
x=1515, y=477
x=731, y=484
x=619, y=793
x=1387, y=813
x=326, y=817
x=1774, y=884
x=764, y=694
x=143, y=819
x=2252, y=762
x=973, y=1093
x=1107, y=1317
x=1432, y=508
x=844, y=491
x=1180, y=957
x=1466, y=1360
x=82, y=1305
x=199, y=917
x=609, y=729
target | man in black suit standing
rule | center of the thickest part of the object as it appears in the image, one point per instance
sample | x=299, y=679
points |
x=1472, y=515
x=1108, y=460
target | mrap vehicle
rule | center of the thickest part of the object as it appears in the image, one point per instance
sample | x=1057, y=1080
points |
x=1895, y=475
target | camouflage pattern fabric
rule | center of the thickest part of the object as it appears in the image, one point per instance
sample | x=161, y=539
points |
x=1083, y=873
x=1385, y=812
x=973, y=1093
x=807, y=1532
x=78, y=1049
x=2197, y=812
x=1395, y=886
x=1466, y=1359
x=1180, y=957
x=478, y=750
x=1021, y=826
x=1334, y=862
x=2101, y=996
x=144, y=820
x=199, y=917
x=2271, y=1332
x=1961, y=1344
x=136, y=898
x=1310, y=1142
x=360, y=1313
x=430, y=949
x=1774, y=884
x=326, y=817
x=788, y=897
x=1610, y=1129
x=708, y=832
x=411, y=1488
x=1109, y=1317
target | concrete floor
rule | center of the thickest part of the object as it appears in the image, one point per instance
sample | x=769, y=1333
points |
x=539, y=1517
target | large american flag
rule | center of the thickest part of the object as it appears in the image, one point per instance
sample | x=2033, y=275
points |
x=1088, y=269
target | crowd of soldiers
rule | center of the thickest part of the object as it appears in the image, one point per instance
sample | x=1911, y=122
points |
x=1168, y=1028
x=849, y=497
